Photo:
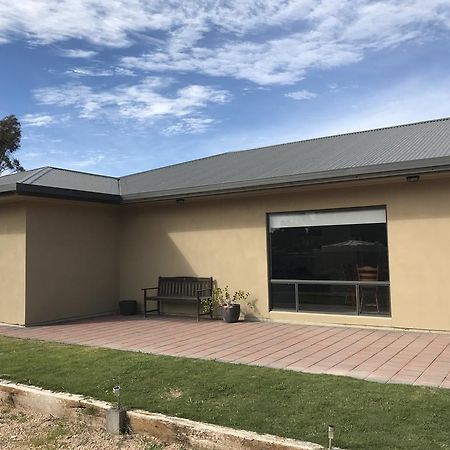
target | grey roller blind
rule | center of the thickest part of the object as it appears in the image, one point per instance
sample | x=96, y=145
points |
x=324, y=218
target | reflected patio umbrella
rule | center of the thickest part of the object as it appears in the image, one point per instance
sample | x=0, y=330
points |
x=351, y=243
x=346, y=255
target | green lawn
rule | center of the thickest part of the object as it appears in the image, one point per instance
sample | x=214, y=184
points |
x=366, y=415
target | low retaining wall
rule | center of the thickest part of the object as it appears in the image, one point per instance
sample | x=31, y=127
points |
x=165, y=428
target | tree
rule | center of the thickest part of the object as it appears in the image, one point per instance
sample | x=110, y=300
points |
x=10, y=134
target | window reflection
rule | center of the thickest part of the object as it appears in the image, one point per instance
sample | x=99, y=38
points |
x=328, y=252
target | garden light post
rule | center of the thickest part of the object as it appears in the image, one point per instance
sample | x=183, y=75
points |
x=116, y=416
x=116, y=392
x=331, y=429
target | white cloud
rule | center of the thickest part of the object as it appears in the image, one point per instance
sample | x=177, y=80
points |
x=333, y=34
x=145, y=101
x=103, y=22
x=31, y=155
x=266, y=42
x=38, y=120
x=122, y=71
x=99, y=72
x=189, y=125
x=114, y=24
x=301, y=95
x=87, y=72
x=90, y=161
x=78, y=53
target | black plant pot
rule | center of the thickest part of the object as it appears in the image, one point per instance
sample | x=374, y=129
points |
x=128, y=307
x=231, y=313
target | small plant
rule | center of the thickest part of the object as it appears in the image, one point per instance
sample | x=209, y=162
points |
x=90, y=411
x=50, y=438
x=154, y=446
x=224, y=298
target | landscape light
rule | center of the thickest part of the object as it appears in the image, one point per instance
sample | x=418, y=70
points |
x=116, y=392
x=331, y=429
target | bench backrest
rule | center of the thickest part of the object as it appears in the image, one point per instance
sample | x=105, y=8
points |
x=183, y=286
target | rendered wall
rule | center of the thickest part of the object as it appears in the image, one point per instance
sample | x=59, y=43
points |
x=12, y=263
x=226, y=238
x=72, y=260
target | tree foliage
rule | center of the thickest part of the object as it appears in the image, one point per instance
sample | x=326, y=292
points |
x=10, y=134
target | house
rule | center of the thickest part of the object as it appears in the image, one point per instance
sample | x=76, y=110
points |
x=348, y=229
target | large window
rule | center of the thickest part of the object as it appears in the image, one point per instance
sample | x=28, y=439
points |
x=330, y=261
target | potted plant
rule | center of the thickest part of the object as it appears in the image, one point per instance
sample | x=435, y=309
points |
x=230, y=303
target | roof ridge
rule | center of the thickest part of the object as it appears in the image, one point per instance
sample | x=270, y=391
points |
x=35, y=176
x=350, y=133
x=36, y=170
x=84, y=173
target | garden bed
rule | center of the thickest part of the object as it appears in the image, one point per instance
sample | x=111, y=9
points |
x=22, y=430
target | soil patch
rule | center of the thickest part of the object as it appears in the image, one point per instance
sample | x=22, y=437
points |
x=21, y=430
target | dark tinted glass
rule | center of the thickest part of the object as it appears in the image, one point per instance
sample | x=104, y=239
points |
x=374, y=300
x=331, y=252
x=283, y=296
x=326, y=298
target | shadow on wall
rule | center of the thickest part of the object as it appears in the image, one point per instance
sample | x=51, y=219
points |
x=198, y=239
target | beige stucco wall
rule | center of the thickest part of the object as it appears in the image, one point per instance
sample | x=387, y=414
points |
x=226, y=238
x=12, y=263
x=72, y=260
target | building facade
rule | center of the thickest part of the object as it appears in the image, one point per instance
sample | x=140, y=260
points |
x=365, y=244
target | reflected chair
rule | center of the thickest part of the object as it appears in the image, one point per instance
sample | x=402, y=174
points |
x=368, y=273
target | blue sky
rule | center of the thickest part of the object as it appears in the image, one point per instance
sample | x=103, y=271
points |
x=116, y=87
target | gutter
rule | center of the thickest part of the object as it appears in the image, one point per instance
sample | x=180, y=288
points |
x=312, y=179
x=7, y=189
x=69, y=194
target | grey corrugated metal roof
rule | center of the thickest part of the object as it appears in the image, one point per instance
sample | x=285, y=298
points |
x=80, y=181
x=50, y=181
x=418, y=147
x=382, y=150
x=6, y=181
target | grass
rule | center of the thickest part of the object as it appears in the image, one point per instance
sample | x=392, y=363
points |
x=366, y=415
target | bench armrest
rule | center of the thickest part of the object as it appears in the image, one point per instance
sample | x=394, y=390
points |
x=144, y=290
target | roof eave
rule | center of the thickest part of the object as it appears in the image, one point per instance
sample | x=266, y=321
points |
x=68, y=194
x=316, y=178
x=8, y=188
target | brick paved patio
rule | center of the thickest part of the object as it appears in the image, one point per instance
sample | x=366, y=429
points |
x=377, y=355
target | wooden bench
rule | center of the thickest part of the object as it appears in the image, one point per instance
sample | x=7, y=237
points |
x=182, y=290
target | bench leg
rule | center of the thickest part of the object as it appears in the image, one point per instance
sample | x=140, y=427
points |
x=158, y=307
